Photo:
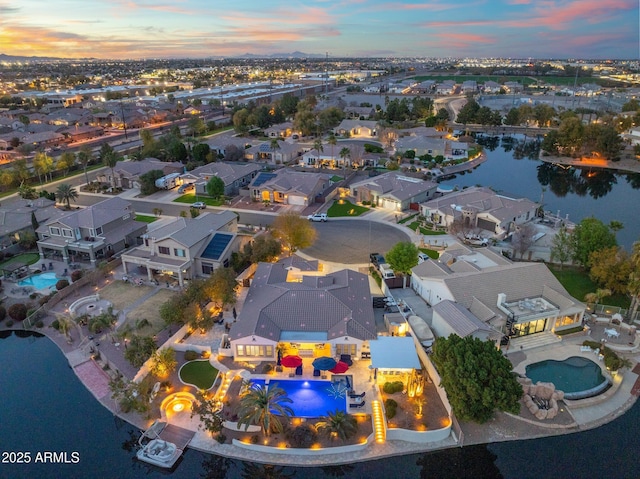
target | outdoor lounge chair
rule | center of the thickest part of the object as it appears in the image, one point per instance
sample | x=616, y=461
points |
x=357, y=405
x=316, y=373
x=353, y=395
x=299, y=371
x=346, y=358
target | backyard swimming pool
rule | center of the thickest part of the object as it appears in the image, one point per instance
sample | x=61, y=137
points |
x=311, y=398
x=578, y=377
x=40, y=281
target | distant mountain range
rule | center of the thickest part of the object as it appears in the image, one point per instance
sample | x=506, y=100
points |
x=283, y=55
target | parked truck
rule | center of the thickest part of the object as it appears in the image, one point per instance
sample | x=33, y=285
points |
x=168, y=181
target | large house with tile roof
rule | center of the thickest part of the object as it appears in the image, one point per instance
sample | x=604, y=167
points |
x=91, y=233
x=127, y=173
x=482, y=209
x=510, y=299
x=234, y=176
x=305, y=311
x=393, y=191
x=289, y=187
x=186, y=248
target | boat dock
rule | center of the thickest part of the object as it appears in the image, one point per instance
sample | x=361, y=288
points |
x=177, y=435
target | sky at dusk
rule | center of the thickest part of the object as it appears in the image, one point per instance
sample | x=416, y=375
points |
x=203, y=28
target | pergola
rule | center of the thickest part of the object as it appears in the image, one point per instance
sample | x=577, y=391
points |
x=14, y=268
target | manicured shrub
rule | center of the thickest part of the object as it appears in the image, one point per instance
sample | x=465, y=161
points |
x=191, y=355
x=391, y=408
x=39, y=324
x=393, y=387
x=221, y=438
x=76, y=275
x=9, y=323
x=302, y=436
x=55, y=324
x=61, y=284
x=18, y=311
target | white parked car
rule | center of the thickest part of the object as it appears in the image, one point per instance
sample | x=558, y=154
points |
x=199, y=205
x=318, y=217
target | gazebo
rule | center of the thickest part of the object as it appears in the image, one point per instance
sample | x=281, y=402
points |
x=394, y=358
x=14, y=270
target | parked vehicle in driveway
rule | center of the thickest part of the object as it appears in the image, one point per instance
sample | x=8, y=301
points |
x=376, y=259
x=318, y=217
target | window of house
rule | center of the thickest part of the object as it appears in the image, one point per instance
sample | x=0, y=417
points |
x=67, y=233
x=164, y=250
x=207, y=268
x=254, y=351
x=346, y=349
x=146, y=241
x=54, y=231
x=179, y=252
x=99, y=230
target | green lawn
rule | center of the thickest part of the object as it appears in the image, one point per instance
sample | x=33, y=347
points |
x=200, y=373
x=146, y=218
x=345, y=208
x=578, y=284
x=433, y=254
x=26, y=258
x=407, y=219
x=191, y=198
x=425, y=231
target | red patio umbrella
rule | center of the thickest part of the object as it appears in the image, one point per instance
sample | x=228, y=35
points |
x=339, y=368
x=291, y=361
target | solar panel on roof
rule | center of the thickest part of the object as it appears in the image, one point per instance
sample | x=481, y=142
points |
x=263, y=178
x=216, y=246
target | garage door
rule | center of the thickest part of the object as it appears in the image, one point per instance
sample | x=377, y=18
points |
x=296, y=200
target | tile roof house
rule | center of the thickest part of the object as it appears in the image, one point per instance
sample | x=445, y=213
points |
x=91, y=233
x=310, y=311
x=17, y=216
x=289, y=187
x=234, y=175
x=510, y=299
x=423, y=145
x=357, y=128
x=481, y=209
x=393, y=191
x=127, y=173
x=187, y=248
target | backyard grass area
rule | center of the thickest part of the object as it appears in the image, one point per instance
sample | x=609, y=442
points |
x=425, y=231
x=345, y=208
x=145, y=319
x=191, y=198
x=146, y=218
x=122, y=294
x=26, y=258
x=430, y=253
x=578, y=284
x=200, y=373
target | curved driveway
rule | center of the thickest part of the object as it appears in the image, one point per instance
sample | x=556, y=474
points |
x=350, y=241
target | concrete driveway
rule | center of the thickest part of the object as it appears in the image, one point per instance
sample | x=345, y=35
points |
x=350, y=240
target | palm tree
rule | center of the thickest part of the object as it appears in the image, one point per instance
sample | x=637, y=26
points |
x=65, y=193
x=344, y=154
x=275, y=145
x=109, y=158
x=338, y=424
x=317, y=145
x=333, y=142
x=85, y=156
x=65, y=325
x=262, y=406
x=596, y=297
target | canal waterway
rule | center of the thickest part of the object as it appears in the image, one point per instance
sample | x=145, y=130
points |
x=513, y=168
x=45, y=408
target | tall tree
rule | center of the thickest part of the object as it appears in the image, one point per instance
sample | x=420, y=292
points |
x=611, y=268
x=215, y=187
x=65, y=193
x=522, y=239
x=43, y=165
x=477, y=377
x=344, y=154
x=332, y=142
x=66, y=162
x=220, y=288
x=588, y=236
x=402, y=257
x=561, y=246
x=85, y=156
x=264, y=407
x=163, y=362
x=294, y=232
x=109, y=158
x=634, y=280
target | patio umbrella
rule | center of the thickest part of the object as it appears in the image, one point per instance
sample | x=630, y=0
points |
x=324, y=363
x=339, y=368
x=291, y=361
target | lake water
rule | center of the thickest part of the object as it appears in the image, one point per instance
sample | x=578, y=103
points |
x=46, y=408
x=512, y=167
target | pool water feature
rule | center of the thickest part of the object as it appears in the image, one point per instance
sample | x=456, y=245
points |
x=578, y=377
x=40, y=281
x=310, y=398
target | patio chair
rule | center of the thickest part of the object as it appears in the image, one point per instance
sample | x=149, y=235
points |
x=316, y=373
x=357, y=405
x=355, y=396
x=299, y=371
